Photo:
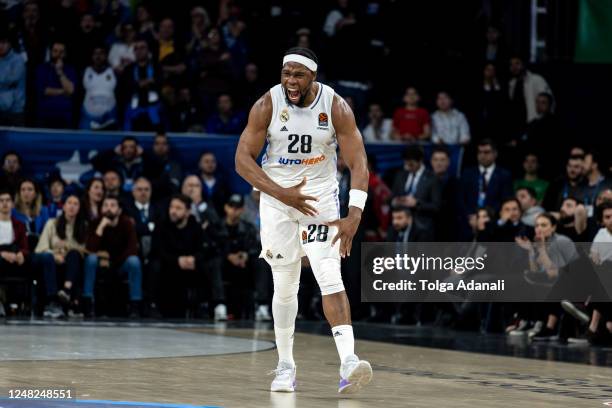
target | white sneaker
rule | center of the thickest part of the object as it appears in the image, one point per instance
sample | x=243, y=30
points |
x=262, y=314
x=285, y=377
x=354, y=374
x=220, y=312
x=536, y=329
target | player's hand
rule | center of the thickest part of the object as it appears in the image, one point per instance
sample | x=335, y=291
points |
x=347, y=227
x=293, y=197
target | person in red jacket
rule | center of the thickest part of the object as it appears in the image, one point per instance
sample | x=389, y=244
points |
x=112, y=242
x=13, y=242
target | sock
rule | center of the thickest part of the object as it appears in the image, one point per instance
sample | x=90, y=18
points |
x=284, y=344
x=345, y=342
x=284, y=314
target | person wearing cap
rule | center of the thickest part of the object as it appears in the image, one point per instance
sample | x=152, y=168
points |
x=304, y=122
x=242, y=268
x=12, y=84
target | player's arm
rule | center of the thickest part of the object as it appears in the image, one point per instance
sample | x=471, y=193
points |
x=353, y=152
x=251, y=142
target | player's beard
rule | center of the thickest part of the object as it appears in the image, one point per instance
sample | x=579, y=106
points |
x=302, y=96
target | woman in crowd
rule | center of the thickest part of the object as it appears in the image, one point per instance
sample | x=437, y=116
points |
x=548, y=254
x=94, y=193
x=29, y=209
x=61, y=246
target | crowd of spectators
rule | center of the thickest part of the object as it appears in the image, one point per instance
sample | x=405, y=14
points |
x=186, y=243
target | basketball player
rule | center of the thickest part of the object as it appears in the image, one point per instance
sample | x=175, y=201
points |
x=304, y=121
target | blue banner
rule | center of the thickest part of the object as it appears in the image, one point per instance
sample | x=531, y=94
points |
x=44, y=151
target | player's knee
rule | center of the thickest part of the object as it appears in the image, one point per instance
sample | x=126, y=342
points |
x=329, y=277
x=286, y=282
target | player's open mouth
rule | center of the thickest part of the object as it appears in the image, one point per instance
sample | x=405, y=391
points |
x=294, y=95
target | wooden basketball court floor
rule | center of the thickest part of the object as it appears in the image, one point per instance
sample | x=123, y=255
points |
x=205, y=365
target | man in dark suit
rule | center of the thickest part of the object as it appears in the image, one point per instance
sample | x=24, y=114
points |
x=417, y=188
x=403, y=228
x=486, y=185
x=145, y=215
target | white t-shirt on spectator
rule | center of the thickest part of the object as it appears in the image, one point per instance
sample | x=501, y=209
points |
x=120, y=51
x=602, y=245
x=450, y=127
x=6, y=233
x=99, y=91
x=382, y=135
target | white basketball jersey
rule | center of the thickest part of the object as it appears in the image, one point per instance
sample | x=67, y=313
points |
x=302, y=142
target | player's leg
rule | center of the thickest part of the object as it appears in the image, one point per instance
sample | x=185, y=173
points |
x=284, y=311
x=324, y=259
x=281, y=249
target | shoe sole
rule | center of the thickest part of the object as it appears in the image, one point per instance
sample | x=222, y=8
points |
x=359, y=377
x=574, y=311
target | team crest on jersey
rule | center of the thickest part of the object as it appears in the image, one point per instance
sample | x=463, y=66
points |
x=304, y=237
x=284, y=115
x=323, y=119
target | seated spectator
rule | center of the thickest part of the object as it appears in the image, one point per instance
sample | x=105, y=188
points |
x=145, y=215
x=601, y=250
x=164, y=173
x=140, y=84
x=112, y=243
x=251, y=86
x=247, y=279
x=122, y=52
x=529, y=205
x=56, y=83
x=114, y=186
x=417, y=188
x=548, y=253
x=594, y=221
x=55, y=203
x=200, y=24
x=509, y=224
x=449, y=126
x=92, y=199
x=403, y=228
x=411, y=123
x=13, y=242
x=572, y=220
x=531, y=177
x=595, y=181
x=85, y=41
x=126, y=159
x=215, y=190
x=178, y=256
x=186, y=115
x=544, y=130
x=99, y=110
x=379, y=128
x=571, y=184
x=212, y=69
x=29, y=210
x=523, y=88
x=486, y=185
x=171, y=60
x=10, y=174
x=447, y=219
x=226, y=121
x=203, y=212
x=376, y=217
x=492, y=105
x=61, y=246
x=12, y=84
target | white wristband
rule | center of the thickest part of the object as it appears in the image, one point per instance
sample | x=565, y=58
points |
x=357, y=198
